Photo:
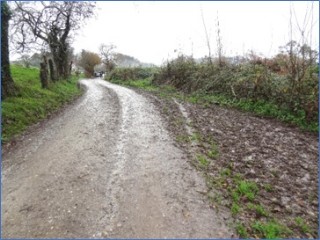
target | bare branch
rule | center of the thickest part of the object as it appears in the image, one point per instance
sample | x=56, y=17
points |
x=207, y=36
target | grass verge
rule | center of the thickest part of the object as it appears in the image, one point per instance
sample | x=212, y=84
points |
x=32, y=103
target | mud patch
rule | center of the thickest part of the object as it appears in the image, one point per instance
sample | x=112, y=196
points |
x=281, y=160
x=106, y=168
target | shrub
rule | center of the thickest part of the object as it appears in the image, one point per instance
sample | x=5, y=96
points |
x=130, y=73
x=263, y=81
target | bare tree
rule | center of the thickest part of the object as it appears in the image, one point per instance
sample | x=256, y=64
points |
x=7, y=84
x=107, y=55
x=300, y=62
x=207, y=36
x=51, y=24
x=301, y=55
x=219, y=43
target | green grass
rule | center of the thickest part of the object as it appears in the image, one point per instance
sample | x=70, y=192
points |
x=226, y=172
x=270, y=229
x=183, y=138
x=261, y=108
x=235, y=196
x=259, y=209
x=203, y=161
x=213, y=152
x=248, y=189
x=301, y=224
x=242, y=230
x=32, y=103
x=268, y=187
x=235, y=209
x=196, y=137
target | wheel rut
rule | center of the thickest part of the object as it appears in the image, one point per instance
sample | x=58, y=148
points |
x=105, y=167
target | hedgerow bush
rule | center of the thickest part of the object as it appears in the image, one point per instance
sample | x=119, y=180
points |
x=268, y=80
x=130, y=73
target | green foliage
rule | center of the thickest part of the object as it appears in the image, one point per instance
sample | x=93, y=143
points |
x=248, y=189
x=183, y=138
x=258, y=86
x=260, y=107
x=259, y=209
x=144, y=84
x=235, y=196
x=32, y=102
x=235, y=209
x=270, y=229
x=126, y=74
x=196, y=137
x=214, y=152
x=302, y=225
x=88, y=60
x=242, y=230
x=179, y=73
x=268, y=187
x=226, y=172
x=203, y=161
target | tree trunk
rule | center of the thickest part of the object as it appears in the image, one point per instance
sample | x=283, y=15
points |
x=7, y=84
x=52, y=71
x=60, y=57
x=55, y=58
x=63, y=54
x=44, y=73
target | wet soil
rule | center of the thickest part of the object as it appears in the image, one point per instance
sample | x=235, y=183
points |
x=105, y=167
x=281, y=159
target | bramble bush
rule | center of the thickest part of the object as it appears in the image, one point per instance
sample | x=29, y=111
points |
x=291, y=87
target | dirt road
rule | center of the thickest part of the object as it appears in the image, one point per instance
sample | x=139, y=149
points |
x=105, y=167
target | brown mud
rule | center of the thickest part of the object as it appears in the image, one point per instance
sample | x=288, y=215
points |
x=105, y=166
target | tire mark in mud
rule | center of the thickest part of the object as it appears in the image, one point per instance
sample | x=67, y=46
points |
x=186, y=117
x=109, y=168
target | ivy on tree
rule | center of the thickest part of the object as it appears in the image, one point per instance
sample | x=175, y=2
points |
x=7, y=84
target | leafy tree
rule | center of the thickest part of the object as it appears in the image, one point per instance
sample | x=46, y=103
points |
x=88, y=60
x=50, y=24
x=7, y=84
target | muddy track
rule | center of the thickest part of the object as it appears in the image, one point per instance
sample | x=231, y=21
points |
x=105, y=167
x=281, y=159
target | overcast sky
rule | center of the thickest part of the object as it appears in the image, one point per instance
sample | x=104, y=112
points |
x=152, y=31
